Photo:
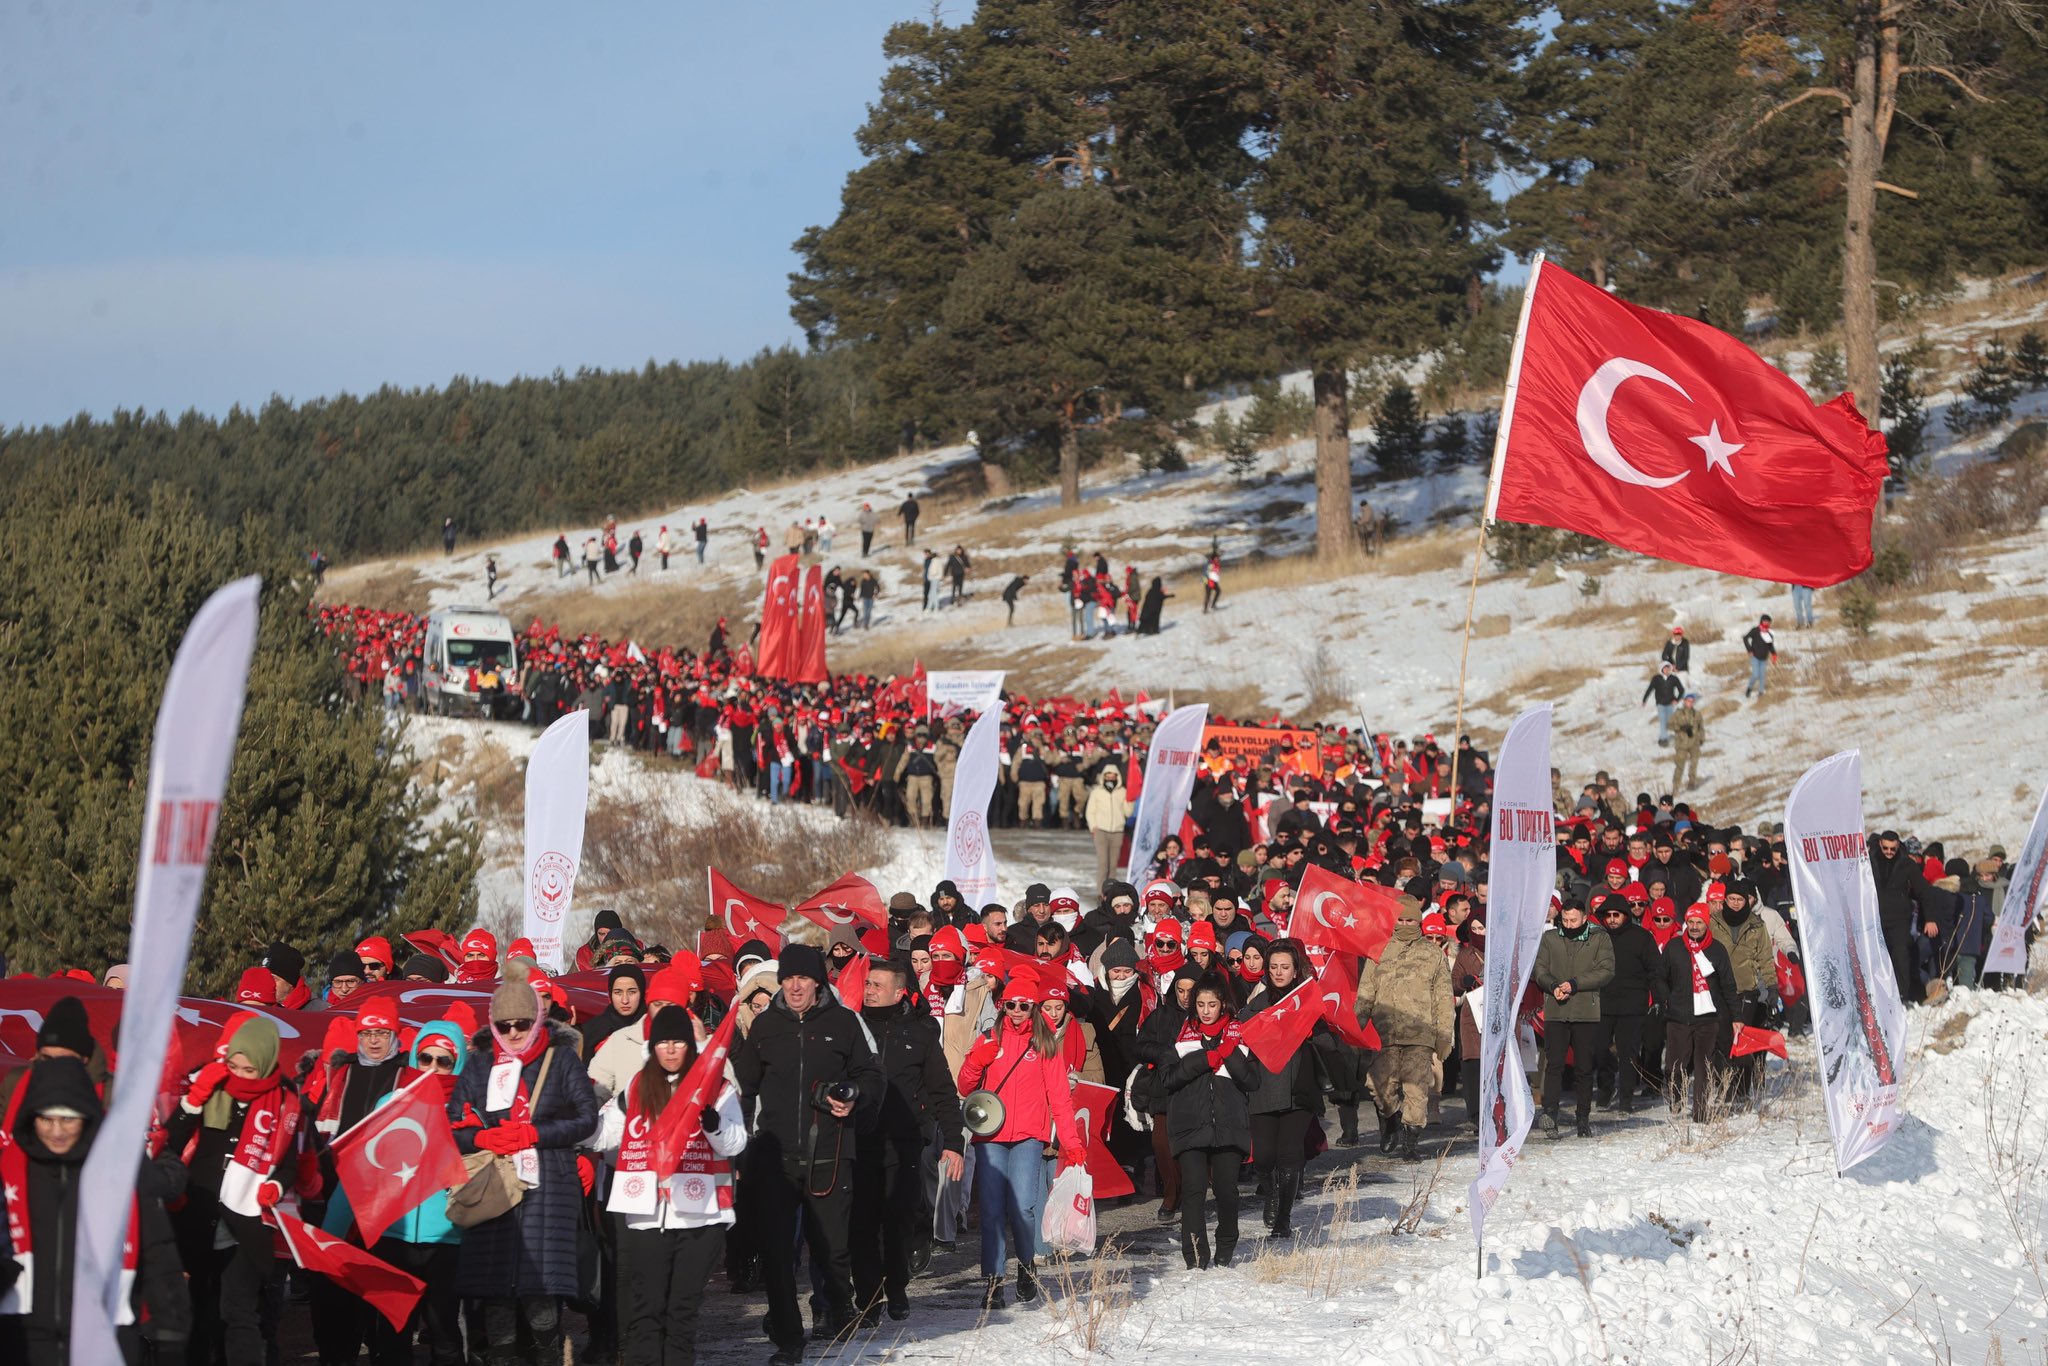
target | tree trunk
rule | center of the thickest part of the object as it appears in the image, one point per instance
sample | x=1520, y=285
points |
x=995, y=480
x=1859, y=250
x=1070, y=460
x=1336, y=538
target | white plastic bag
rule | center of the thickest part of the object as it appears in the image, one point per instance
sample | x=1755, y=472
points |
x=1069, y=1219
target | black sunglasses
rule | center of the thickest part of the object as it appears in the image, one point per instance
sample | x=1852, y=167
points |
x=515, y=1026
x=1020, y=1005
x=440, y=1062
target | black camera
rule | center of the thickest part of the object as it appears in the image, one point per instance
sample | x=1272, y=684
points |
x=823, y=1093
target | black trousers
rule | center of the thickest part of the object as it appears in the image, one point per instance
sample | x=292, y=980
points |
x=1279, y=1148
x=782, y=1199
x=1468, y=1081
x=1621, y=1055
x=662, y=1273
x=1899, y=947
x=1690, y=1050
x=1582, y=1037
x=234, y=1290
x=1201, y=1169
x=439, y=1316
x=539, y=1315
x=888, y=1213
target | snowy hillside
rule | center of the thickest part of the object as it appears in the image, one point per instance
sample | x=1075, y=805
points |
x=1929, y=696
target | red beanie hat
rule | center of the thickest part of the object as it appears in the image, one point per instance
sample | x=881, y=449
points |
x=376, y=949
x=948, y=940
x=479, y=940
x=1202, y=935
x=1434, y=926
x=257, y=987
x=379, y=1013
x=522, y=948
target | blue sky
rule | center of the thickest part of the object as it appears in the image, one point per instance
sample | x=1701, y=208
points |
x=207, y=203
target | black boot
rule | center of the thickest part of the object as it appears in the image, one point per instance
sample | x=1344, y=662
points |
x=1027, y=1283
x=1585, y=1126
x=1195, y=1250
x=1287, y=1183
x=1347, y=1125
x=1272, y=1199
x=1548, y=1120
x=1225, y=1249
x=1408, y=1133
x=1390, y=1131
x=994, y=1296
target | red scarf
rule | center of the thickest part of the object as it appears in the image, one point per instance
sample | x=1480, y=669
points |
x=702, y=1183
x=19, y=1298
x=1218, y=1040
x=1163, y=962
x=536, y=1042
x=1698, y=953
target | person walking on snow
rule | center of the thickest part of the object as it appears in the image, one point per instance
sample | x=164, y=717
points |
x=701, y=534
x=1666, y=689
x=1212, y=584
x=1763, y=651
x=661, y=546
x=1573, y=962
x=908, y=512
x=870, y=521
x=1678, y=651
x=1802, y=606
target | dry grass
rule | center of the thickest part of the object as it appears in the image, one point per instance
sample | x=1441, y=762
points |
x=1912, y=610
x=1650, y=619
x=478, y=767
x=1320, y=1261
x=1487, y=627
x=1325, y=683
x=649, y=861
x=1094, y=1296
x=1437, y=552
x=391, y=585
x=2032, y=608
x=1548, y=684
x=657, y=613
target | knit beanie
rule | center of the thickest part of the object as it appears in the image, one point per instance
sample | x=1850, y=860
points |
x=515, y=999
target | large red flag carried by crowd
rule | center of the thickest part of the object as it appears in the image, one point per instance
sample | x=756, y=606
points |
x=807, y=658
x=1350, y=917
x=744, y=915
x=1668, y=437
x=398, y=1155
x=779, y=605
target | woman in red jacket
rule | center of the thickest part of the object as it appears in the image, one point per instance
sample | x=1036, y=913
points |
x=1020, y=1062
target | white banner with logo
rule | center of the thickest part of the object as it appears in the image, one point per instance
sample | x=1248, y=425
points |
x=557, y=791
x=189, y=760
x=948, y=692
x=1859, y=1024
x=1523, y=875
x=1169, y=780
x=2023, y=894
x=970, y=857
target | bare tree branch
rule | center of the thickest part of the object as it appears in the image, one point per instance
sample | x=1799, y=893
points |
x=1801, y=98
x=1947, y=75
x=1898, y=190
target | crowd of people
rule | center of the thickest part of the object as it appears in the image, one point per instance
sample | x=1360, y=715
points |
x=912, y=1076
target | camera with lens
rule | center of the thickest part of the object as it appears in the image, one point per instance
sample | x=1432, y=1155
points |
x=823, y=1093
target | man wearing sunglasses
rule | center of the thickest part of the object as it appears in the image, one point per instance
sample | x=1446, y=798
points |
x=1625, y=1002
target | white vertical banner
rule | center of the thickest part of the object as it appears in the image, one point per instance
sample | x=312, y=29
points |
x=557, y=791
x=1859, y=1024
x=1169, y=780
x=1523, y=875
x=970, y=857
x=2023, y=894
x=189, y=759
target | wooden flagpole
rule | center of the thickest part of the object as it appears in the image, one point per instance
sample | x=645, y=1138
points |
x=1500, y=450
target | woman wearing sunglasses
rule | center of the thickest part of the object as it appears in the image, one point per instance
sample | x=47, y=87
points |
x=1020, y=1063
x=526, y=1085
x=421, y=1242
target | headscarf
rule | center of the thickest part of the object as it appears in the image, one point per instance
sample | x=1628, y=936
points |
x=255, y=1039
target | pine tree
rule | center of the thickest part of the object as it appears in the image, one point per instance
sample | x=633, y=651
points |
x=1825, y=376
x=1399, y=437
x=1450, y=442
x=1903, y=412
x=1371, y=194
x=322, y=839
x=1991, y=386
x=2030, y=361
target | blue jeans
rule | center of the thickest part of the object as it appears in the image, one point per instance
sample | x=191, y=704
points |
x=1802, y=605
x=1664, y=710
x=1756, y=672
x=1011, y=1187
x=700, y=552
x=821, y=779
x=779, y=774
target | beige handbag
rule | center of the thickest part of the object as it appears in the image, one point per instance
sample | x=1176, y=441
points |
x=493, y=1187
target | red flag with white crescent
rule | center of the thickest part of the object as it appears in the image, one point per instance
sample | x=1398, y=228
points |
x=1276, y=1034
x=383, y=1287
x=398, y=1155
x=1094, y=1107
x=744, y=915
x=851, y=900
x=1350, y=917
x=1671, y=438
x=701, y=1085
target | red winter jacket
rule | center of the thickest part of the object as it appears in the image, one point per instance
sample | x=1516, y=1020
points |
x=1036, y=1097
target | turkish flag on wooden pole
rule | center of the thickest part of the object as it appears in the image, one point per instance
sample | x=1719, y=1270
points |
x=1350, y=917
x=850, y=900
x=1668, y=437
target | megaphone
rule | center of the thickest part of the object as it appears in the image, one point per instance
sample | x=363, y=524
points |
x=983, y=1112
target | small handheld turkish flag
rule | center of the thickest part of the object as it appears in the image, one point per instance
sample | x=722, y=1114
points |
x=1274, y=1035
x=1337, y=982
x=744, y=915
x=1350, y=917
x=1668, y=437
x=398, y=1155
x=852, y=900
x=1750, y=1039
x=382, y=1286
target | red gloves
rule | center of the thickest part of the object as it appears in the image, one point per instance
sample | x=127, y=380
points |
x=1220, y=1054
x=1073, y=1155
x=506, y=1139
x=586, y=1171
x=984, y=1051
x=268, y=1194
x=205, y=1083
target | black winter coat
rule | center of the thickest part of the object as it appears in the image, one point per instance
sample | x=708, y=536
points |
x=920, y=1090
x=779, y=1066
x=531, y=1250
x=1298, y=1085
x=1637, y=965
x=1154, y=1050
x=1901, y=887
x=1116, y=1029
x=1674, y=982
x=1208, y=1108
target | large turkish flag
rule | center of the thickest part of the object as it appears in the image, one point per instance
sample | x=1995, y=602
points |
x=1668, y=437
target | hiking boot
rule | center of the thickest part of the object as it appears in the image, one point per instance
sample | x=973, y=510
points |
x=1584, y=1128
x=995, y=1296
x=1408, y=1144
x=1027, y=1283
x=1390, y=1132
x=1547, y=1122
x=1272, y=1206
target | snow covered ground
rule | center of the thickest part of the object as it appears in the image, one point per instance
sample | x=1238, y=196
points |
x=1651, y=1243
